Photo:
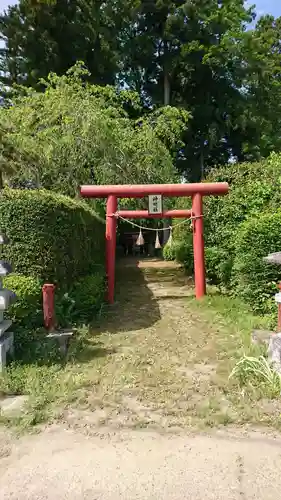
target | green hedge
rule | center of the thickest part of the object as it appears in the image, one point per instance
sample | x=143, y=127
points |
x=253, y=279
x=52, y=237
x=27, y=310
x=81, y=303
x=169, y=252
x=182, y=252
x=254, y=189
x=88, y=295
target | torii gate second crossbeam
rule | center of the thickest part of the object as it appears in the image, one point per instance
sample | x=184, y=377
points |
x=196, y=191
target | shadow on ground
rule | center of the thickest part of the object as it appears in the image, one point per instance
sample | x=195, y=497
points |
x=83, y=351
x=135, y=307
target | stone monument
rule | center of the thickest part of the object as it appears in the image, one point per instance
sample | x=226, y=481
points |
x=272, y=339
x=7, y=297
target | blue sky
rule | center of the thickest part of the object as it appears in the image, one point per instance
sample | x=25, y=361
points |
x=263, y=6
x=266, y=7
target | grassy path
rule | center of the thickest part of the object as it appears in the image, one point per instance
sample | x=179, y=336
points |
x=156, y=359
x=167, y=358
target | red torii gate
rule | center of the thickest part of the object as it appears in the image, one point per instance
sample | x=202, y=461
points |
x=196, y=191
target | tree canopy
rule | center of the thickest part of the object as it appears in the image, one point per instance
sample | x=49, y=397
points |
x=201, y=56
x=77, y=133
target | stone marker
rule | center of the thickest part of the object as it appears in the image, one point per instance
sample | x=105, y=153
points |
x=63, y=337
x=13, y=406
x=262, y=337
x=274, y=351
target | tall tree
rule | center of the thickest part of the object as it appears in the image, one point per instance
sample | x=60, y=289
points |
x=76, y=133
x=51, y=35
x=188, y=53
x=197, y=55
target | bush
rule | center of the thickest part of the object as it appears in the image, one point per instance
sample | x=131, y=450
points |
x=181, y=251
x=169, y=252
x=87, y=295
x=27, y=310
x=254, y=280
x=254, y=188
x=52, y=237
x=218, y=266
x=184, y=254
x=27, y=316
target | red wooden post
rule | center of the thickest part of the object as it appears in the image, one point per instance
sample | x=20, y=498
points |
x=198, y=246
x=111, y=223
x=48, y=291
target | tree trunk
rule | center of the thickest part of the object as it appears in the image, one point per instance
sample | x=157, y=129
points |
x=1, y=180
x=167, y=88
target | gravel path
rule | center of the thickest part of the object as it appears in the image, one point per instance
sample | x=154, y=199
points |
x=66, y=465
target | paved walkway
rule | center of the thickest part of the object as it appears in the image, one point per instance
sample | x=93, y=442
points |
x=65, y=465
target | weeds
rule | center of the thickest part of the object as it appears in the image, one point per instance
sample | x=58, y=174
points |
x=257, y=372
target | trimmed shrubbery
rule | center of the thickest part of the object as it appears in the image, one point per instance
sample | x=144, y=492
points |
x=253, y=279
x=52, y=237
x=27, y=310
x=88, y=295
x=242, y=228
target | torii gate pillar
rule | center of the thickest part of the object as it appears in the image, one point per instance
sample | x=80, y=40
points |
x=196, y=191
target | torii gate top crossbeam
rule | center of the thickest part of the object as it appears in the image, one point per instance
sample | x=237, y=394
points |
x=140, y=191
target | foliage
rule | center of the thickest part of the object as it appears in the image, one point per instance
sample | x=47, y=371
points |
x=51, y=35
x=254, y=188
x=76, y=134
x=242, y=228
x=258, y=373
x=169, y=251
x=169, y=124
x=27, y=310
x=88, y=294
x=203, y=57
x=200, y=55
x=52, y=237
x=181, y=251
x=218, y=266
x=253, y=279
x=184, y=254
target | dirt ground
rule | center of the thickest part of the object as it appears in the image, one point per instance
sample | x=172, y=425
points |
x=155, y=374
x=62, y=464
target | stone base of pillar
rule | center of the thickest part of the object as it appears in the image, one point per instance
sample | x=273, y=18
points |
x=6, y=345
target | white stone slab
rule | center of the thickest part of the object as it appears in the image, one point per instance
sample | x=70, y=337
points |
x=6, y=345
x=13, y=406
x=4, y=240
